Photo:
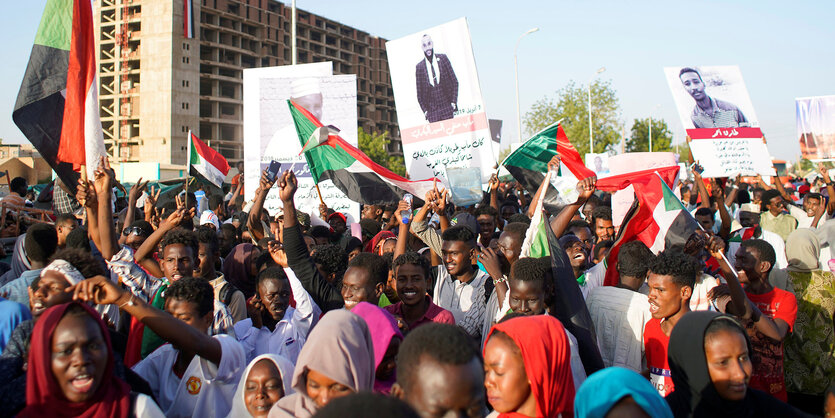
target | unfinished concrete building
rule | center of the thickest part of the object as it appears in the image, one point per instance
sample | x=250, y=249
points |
x=156, y=84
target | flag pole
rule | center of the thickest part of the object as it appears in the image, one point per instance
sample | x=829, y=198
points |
x=188, y=166
x=322, y=201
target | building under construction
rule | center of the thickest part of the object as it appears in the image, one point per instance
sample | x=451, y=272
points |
x=156, y=83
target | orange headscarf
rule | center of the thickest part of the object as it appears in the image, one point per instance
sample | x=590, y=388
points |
x=547, y=356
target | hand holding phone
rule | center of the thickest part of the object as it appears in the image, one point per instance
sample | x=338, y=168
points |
x=273, y=169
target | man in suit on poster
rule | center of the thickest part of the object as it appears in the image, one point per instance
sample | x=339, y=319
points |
x=437, y=86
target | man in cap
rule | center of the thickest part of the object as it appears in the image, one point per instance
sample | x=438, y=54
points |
x=307, y=93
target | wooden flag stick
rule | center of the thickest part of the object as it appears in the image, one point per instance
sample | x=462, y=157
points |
x=322, y=201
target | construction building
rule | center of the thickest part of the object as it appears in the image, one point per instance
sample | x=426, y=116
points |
x=156, y=83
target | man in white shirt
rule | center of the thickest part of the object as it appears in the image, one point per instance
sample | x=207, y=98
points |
x=275, y=327
x=620, y=313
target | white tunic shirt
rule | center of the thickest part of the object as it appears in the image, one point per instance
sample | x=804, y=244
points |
x=290, y=332
x=205, y=390
x=619, y=317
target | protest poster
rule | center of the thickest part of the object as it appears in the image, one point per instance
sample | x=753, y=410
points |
x=439, y=105
x=599, y=163
x=269, y=132
x=711, y=97
x=816, y=127
x=728, y=152
x=627, y=163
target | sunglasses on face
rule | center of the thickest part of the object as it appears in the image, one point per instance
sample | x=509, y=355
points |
x=133, y=230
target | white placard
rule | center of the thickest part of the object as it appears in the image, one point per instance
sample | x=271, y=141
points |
x=439, y=105
x=269, y=132
x=729, y=157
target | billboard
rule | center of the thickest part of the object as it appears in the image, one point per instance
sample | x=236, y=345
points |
x=270, y=134
x=440, y=110
x=816, y=126
x=711, y=97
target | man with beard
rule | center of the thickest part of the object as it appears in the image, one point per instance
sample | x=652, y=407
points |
x=437, y=86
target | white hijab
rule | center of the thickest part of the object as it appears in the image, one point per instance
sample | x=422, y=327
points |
x=285, y=369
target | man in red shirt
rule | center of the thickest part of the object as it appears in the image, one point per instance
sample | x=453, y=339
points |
x=768, y=313
x=671, y=278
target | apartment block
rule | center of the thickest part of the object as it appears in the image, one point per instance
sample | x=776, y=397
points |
x=156, y=84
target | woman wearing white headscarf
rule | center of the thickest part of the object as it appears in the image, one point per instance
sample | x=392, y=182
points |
x=337, y=360
x=266, y=380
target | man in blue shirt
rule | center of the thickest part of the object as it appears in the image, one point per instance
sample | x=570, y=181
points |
x=40, y=243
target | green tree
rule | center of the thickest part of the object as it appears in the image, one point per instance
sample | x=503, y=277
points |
x=661, y=136
x=571, y=105
x=374, y=146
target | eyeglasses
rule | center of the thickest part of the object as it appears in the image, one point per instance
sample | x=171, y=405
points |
x=133, y=230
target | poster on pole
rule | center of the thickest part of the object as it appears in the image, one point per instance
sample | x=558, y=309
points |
x=440, y=110
x=728, y=152
x=269, y=132
x=711, y=97
x=816, y=127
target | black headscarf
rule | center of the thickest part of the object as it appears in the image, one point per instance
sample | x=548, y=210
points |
x=694, y=395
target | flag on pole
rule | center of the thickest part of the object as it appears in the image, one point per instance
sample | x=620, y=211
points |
x=354, y=173
x=57, y=107
x=188, y=19
x=528, y=163
x=207, y=162
x=657, y=217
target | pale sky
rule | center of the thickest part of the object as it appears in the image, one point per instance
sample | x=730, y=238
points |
x=783, y=49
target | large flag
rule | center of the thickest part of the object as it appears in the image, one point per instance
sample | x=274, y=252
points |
x=331, y=157
x=57, y=107
x=568, y=306
x=206, y=161
x=528, y=163
x=657, y=217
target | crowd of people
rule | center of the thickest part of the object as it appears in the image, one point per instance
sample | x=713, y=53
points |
x=206, y=305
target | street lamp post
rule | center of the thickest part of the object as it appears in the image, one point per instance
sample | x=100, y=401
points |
x=516, y=66
x=591, y=135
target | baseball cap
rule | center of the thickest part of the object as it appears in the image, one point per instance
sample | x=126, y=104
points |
x=209, y=218
x=466, y=220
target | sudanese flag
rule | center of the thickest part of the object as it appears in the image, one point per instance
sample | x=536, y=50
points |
x=354, y=173
x=57, y=107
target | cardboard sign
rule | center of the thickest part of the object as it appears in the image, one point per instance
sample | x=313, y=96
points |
x=728, y=152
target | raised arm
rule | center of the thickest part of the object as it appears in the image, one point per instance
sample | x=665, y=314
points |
x=719, y=195
x=561, y=221
x=107, y=231
x=130, y=215
x=402, y=230
x=420, y=227
x=253, y=222
x=494, y=191
x=700, y=185
x=830, y=189
x=740, y=305
x=143, y=254
x=731, y=197
x=298, y=257
x=101, y=291
x=86, y=195
x=553, y=166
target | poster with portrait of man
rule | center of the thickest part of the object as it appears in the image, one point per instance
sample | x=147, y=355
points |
x=599, y=163
x=816, y=126
x=711, y=97
x=440, y=110
x=270, y=134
